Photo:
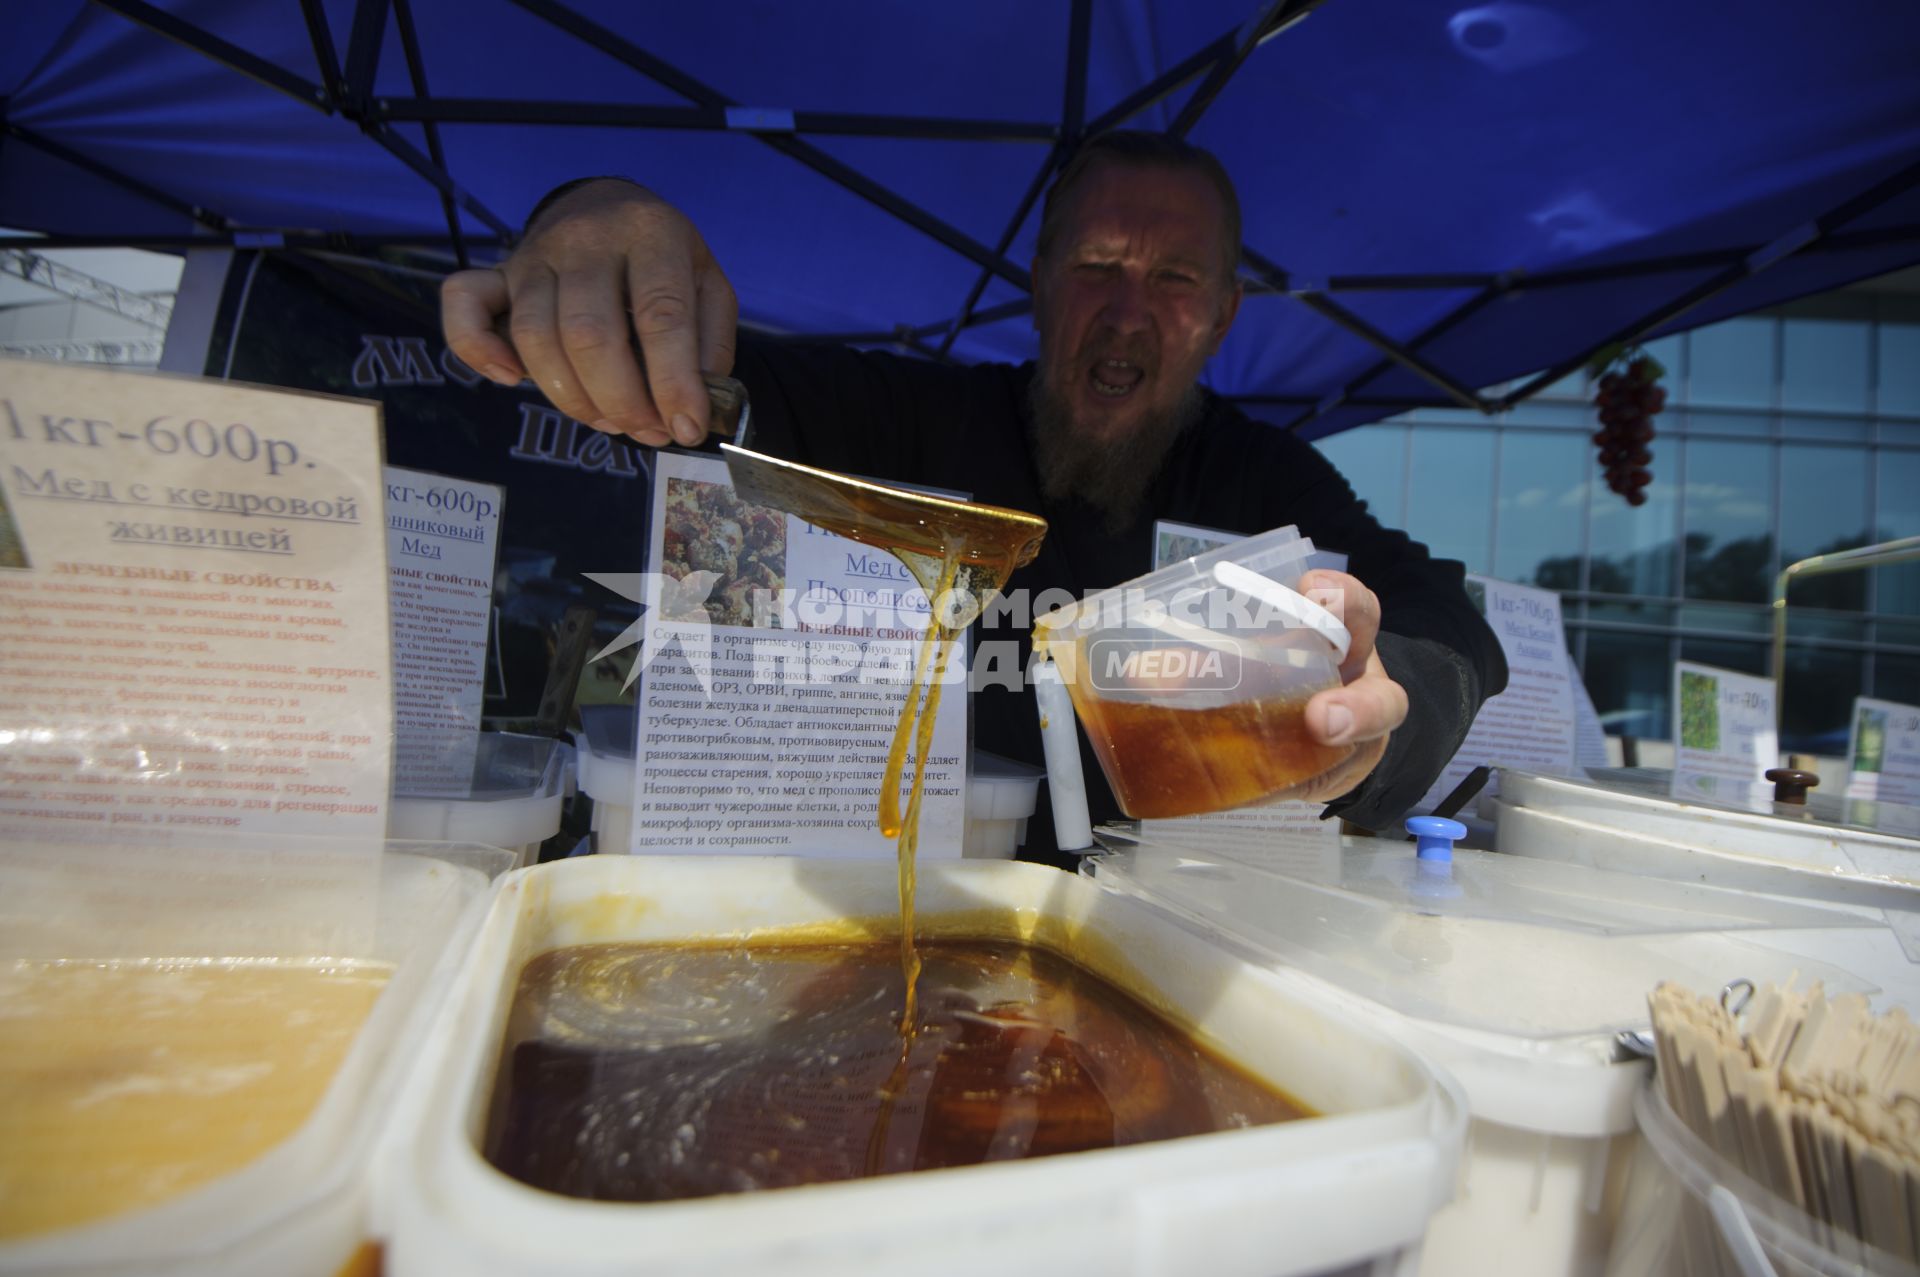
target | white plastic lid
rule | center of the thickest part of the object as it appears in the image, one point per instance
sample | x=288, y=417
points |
x=1504, y=945
x=1651, y=793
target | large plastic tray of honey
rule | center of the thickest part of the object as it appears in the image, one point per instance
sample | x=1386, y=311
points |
x=1348, y=1187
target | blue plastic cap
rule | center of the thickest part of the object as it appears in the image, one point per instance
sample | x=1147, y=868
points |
x=1435, y=836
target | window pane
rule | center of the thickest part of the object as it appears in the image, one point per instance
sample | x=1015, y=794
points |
x=1629, y=676
x=1732, y=364
x=1634, y=612
x=1900, y=368
x=1542, y=505
x=1847, y=428
x=1447, y=507
x=1820, y=686
x=1728, y=506
x=1714, y=421
x=1897, y=633
x=1897, y=678
x=1566, y=416
x=1374, y=460
x=1897, y=589
x=1819, y=623
x=1726, y=654
x=1824, y=364
x=1823, y=506
x=1736, y=618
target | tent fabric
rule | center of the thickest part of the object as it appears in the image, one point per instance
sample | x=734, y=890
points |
x=1486, y=191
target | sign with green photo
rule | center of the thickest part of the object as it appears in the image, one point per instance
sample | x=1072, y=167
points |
x=1723, y=729
x=1883, y=758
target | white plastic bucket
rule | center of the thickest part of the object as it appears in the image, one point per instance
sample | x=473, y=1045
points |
x=520, y=785
x=1690, y=1213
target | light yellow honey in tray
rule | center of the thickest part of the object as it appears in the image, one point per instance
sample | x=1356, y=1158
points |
x=125, y=1084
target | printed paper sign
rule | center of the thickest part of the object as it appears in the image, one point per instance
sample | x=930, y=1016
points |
x=193, y=607
x=1589, y=737
x=1883, y=755
x=1723, y=730
x=1244, y=828
x=774, y=663
x=1530, y=725
x=443, y=536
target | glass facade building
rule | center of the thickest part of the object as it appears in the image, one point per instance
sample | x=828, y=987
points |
x=1786, y=434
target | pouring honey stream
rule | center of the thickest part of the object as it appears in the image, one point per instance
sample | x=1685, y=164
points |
x=961, y=554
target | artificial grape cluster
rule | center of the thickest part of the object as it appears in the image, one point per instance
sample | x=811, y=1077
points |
x=1628, y=398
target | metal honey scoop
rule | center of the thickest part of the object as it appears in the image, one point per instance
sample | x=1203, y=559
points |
x=921, y=530
x=918, y=529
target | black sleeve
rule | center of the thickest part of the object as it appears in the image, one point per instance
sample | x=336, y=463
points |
x=858, y=412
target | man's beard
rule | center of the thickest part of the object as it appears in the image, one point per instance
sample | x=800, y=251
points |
x=1110, y=475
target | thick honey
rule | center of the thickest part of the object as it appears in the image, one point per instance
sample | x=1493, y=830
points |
x=125, y=1084
x=1166, y=762
x=647, y=1073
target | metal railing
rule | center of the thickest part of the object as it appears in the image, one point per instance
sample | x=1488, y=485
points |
x=1865, y=556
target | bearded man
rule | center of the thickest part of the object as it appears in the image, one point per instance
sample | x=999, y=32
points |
x=1135, y=286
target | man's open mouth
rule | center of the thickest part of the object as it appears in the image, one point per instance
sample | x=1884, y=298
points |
x=1115, y=378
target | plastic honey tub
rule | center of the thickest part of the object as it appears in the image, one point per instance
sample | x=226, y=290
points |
x=301, y=1209
x=1514, y=976
x=1349, y=1191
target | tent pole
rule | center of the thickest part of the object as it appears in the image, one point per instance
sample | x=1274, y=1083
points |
x=704, y=119
x=325, y=56
x=1166, y=83
x=1332, y=311
x=1793, y=242
x=409, y=155
x=1073, y=107
x=624, y=50
x=963, y=320
x=417, y=74
x=363, y=51
x=1275, y=17
x=200, y=216
x=1073, y=115
x=230, y=55
x=1451, y=319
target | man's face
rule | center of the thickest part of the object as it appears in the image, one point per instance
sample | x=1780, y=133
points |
x=1132, y=299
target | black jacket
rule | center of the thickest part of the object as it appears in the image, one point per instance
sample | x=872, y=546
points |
x=966, y=427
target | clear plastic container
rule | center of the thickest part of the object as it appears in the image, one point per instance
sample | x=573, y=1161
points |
x=1001, y=793
x=1347, y=1192
x=1192, y=682
x=514, y=799
x=1690, y=1213
x=211, y=906
x=1513, y=975
x=604, y=749
x=1628, y=821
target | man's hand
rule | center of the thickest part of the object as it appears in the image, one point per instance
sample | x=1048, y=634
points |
x=605, y=255
x=1370, y=705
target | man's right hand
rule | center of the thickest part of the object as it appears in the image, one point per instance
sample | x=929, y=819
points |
x=604, y=255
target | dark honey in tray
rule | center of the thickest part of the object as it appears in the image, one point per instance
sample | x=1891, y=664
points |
x=640, y=1073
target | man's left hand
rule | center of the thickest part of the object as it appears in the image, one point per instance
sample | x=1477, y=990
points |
x=1369, y=705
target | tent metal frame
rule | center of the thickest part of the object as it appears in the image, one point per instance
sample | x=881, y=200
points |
x=346, y=88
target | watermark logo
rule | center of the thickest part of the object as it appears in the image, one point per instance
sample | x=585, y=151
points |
x=1156, y=664
x=1197, y=639
x=680, y=618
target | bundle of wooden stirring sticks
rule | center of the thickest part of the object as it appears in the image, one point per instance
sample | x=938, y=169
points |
x=1814, y=1098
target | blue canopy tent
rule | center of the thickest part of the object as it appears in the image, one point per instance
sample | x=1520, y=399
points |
x=1438, y=198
